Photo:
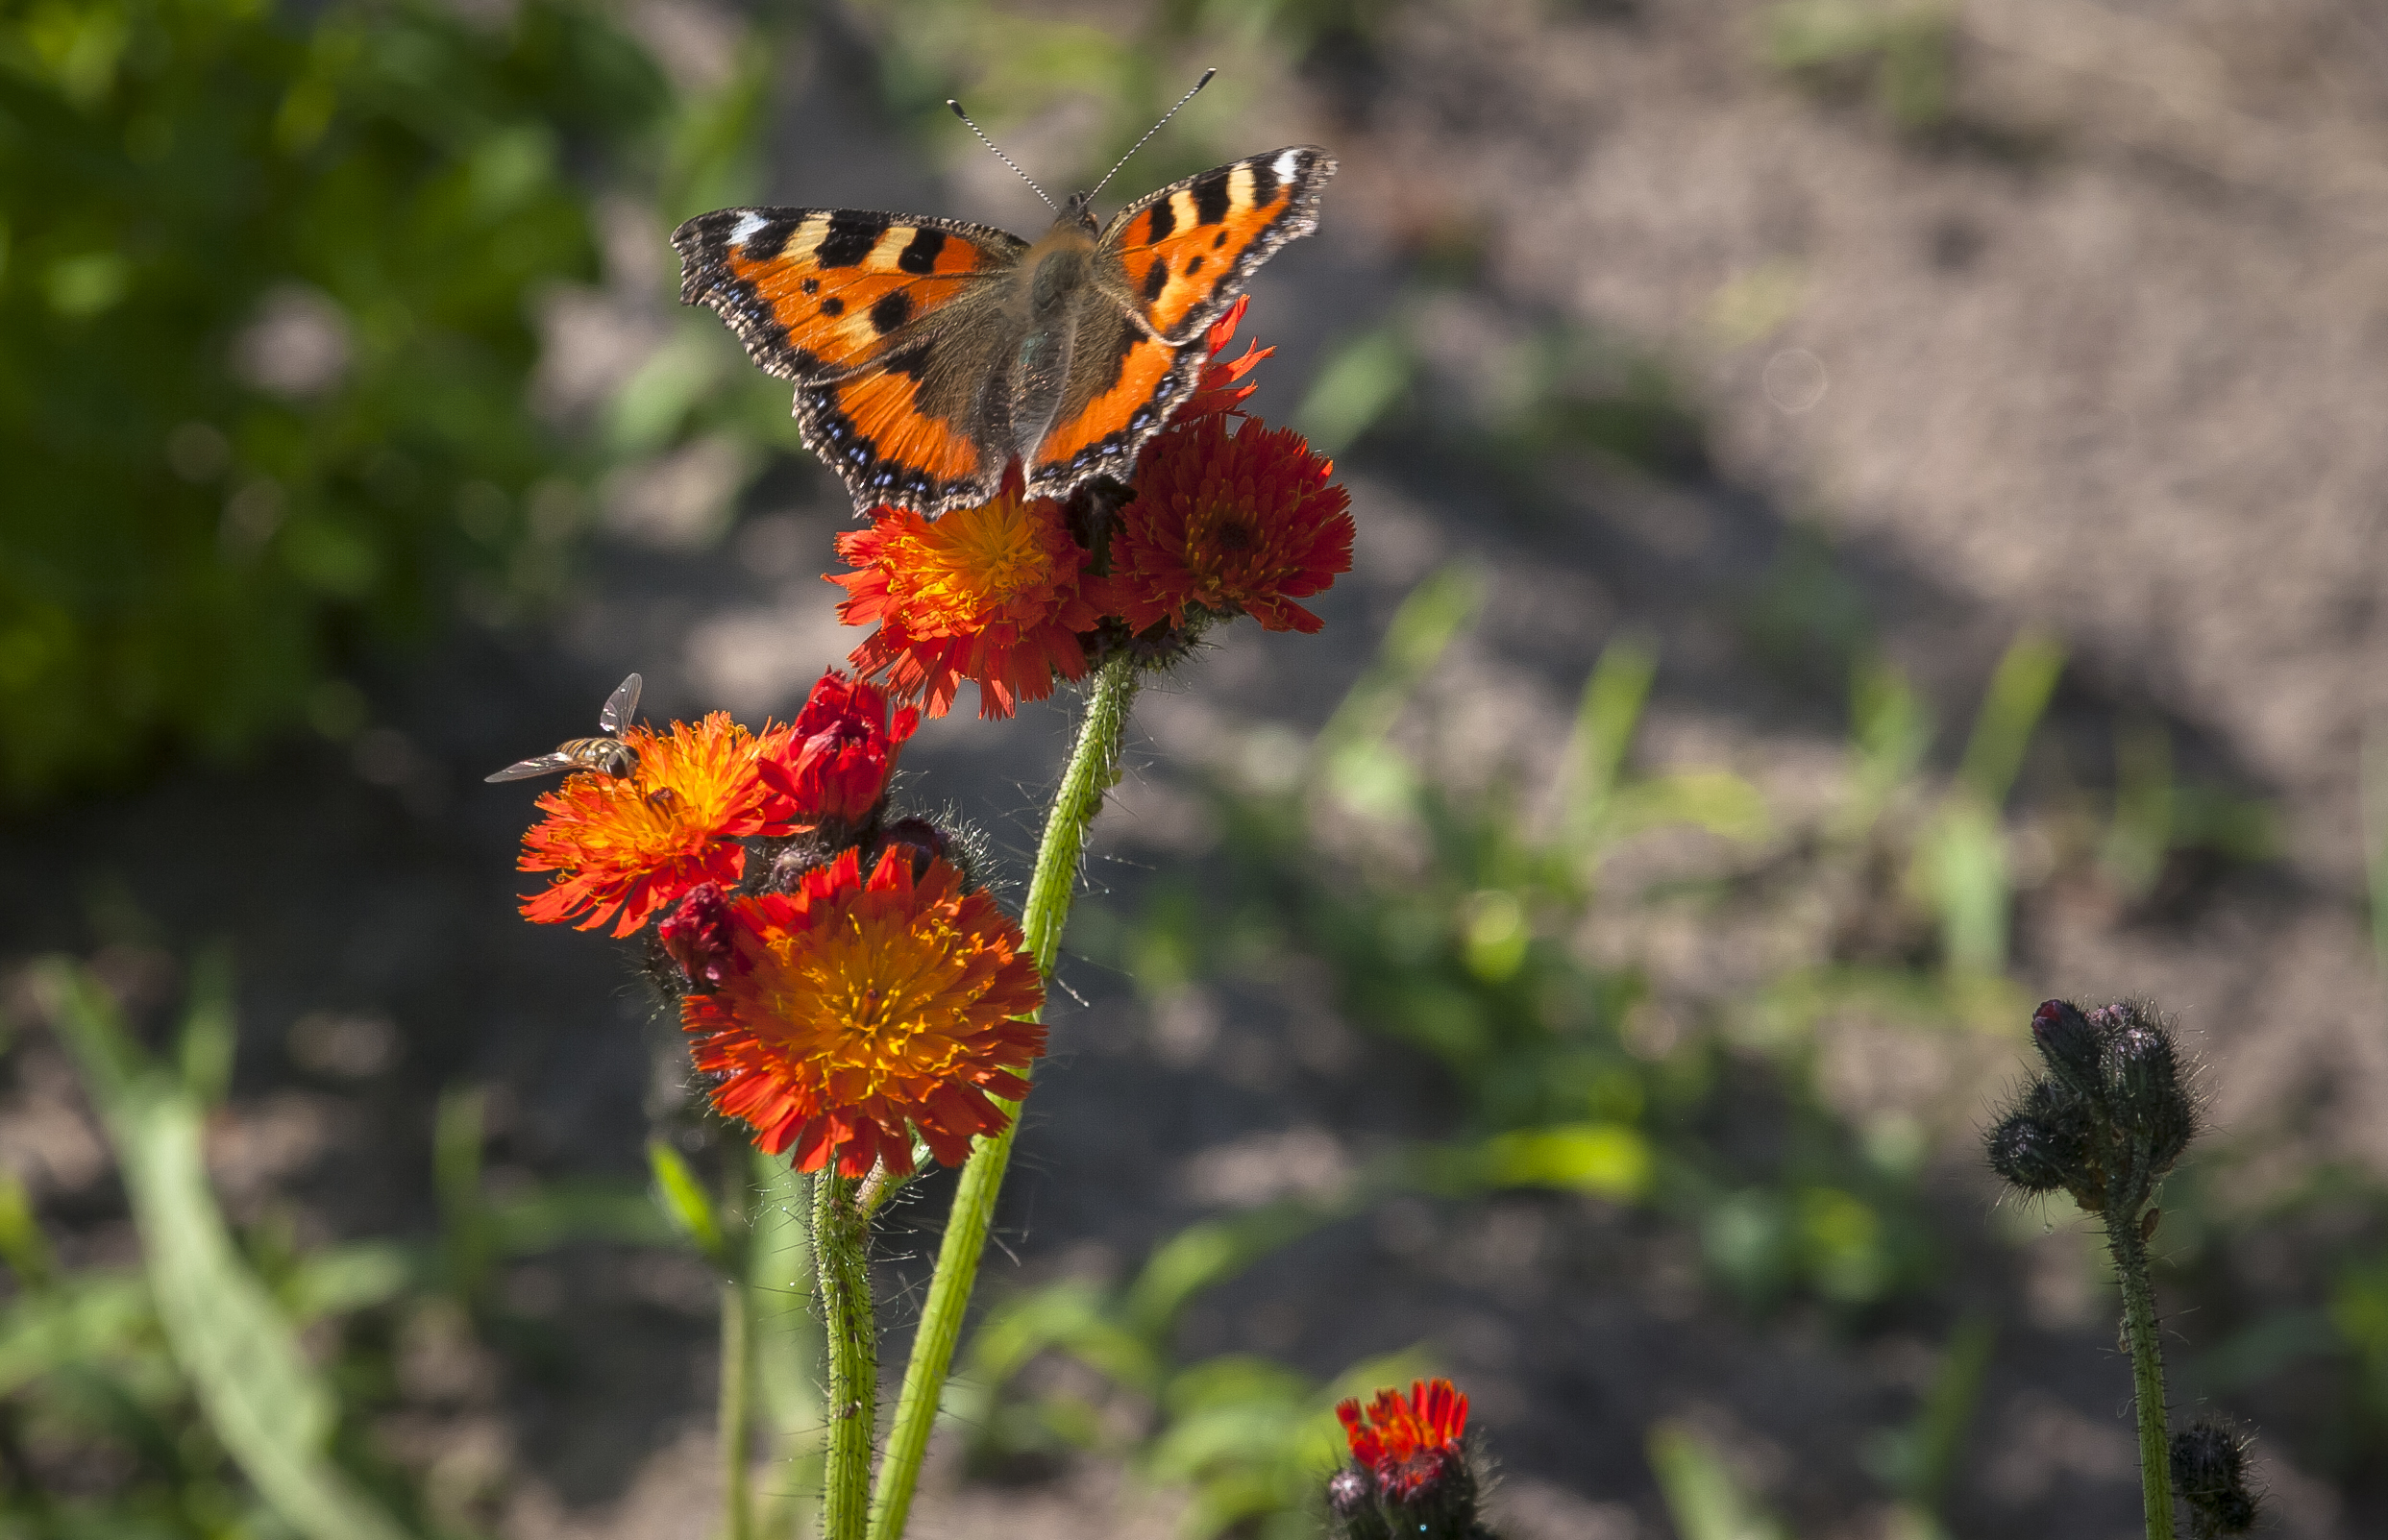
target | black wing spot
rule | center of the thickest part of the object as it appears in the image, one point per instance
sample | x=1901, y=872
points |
x=921, y=255
x=1193, y=267
x=1160, y=222
x=1264, y=183
x=1210, y=195
x=1156, y=279
x=891, y=312
x=833, y=305
x=849, y=239
x=769, y=241
x=812, y=285
x=1219, y=240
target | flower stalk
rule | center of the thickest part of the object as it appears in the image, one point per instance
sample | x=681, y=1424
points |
x=1094, y=770
x=842, y=1247
x=2125, y=1239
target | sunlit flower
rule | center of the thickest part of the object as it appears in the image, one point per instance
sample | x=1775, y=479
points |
x=834, y=762
x=854, y=1013
x=1240, y=523
x=990, y=594
x=630, y=845
x=1409, y=1446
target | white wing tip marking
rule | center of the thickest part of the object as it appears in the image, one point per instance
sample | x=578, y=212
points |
x=748, y=224
x=1288, y=164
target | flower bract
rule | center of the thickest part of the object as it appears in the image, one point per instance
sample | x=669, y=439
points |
x=991, y=595
x=628, y=846
x=856, y=1011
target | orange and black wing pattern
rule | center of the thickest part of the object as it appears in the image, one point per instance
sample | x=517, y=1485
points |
x=1175, y=261
x=864, y=312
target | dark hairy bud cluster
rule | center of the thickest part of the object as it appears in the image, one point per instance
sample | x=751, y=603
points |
x=2209, y=1472
x=2111, y=1116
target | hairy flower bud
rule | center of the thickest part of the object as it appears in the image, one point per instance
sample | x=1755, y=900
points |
x=2048, y=1144
x=2143, y=1077
x=2073, y=1047
x=1416, y=1466
x=1351, y=1507
x=2209, y=1470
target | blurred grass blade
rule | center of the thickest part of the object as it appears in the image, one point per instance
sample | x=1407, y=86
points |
x=1960, y=866
x=2141, y=834
x=1357, y=384
x=22, y=1245
x=1605, y=721
x=1948, y=1409
x=1350, y=747
x=210, y=1031
x=274, y=1416
x=466, y=1232
x=684, y=1202
x=1209, y=1253
x=89, y=1318
x=1890, y=731
x=2375, y=794
x=1703, y=1499
x=2019, y=690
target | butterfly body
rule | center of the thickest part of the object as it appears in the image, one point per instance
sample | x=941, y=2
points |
x=931, y=354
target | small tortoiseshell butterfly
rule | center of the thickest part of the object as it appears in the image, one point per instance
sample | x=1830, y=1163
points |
x=929, y=354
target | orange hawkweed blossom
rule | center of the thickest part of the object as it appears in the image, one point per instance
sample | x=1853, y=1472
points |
x=990, y=593
x=628, y=845
x=852, y=1012
x=1408, y=1446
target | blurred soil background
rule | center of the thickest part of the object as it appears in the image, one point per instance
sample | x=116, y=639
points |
x=1949, y=437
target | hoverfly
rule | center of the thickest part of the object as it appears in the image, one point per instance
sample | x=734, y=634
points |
x=608, y=754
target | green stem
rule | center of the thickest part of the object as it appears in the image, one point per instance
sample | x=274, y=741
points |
x=842, y=1248
x=2156, y=1453
x=737, y=1408
x=1094, y=770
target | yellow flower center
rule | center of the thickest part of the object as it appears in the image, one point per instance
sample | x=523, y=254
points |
x=874, y=998
x=970, y=564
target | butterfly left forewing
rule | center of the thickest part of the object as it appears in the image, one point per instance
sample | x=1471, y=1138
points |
x=876, y=318
x=1167, y=267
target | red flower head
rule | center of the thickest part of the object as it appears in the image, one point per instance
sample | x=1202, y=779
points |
x=696, y=933
x=1227, y=523
x=852, y=1013
x=633, y=843
x=990, y=594
x=833, y=763
x=1409, y=1447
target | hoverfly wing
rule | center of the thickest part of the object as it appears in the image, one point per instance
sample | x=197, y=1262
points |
x=523, y=769
x=618, y=707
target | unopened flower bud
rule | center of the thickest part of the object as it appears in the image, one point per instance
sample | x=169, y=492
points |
x=923, y=839
x=2143, y=1074
x=697, y=934
x=2072, y=1045
x=2209, y=1470
x=1352, y=1513
x=1411, y=1451
x=2048, y=1144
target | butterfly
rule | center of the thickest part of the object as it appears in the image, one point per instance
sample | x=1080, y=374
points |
x=930, y=353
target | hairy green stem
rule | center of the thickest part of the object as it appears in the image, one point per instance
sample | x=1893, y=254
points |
x=2139, y=1324
x=1094, y=770
x=842, y=1249
x=736, y=1414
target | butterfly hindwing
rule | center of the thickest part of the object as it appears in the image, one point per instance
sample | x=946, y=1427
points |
x=1167, y=266
x=872, y=315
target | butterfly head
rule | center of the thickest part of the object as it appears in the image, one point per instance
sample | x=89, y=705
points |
x=1078, y=213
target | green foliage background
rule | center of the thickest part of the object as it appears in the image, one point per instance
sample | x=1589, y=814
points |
x=189, y=554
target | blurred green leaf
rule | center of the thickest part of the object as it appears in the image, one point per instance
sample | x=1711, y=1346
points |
x=1703, y=1498
x=1362, y=378
x=240, y=1353
x=685, y=1202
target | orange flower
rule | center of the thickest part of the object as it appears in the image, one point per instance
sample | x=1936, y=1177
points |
x=1217, y=391
x=1227, y=523
x=990, y=594
x=1408, y=1446
x=633, y=843
x=852, y=1012
x=834, y=762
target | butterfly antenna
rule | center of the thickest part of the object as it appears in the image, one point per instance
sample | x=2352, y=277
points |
x=1149, y=133
x=1000, y=155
